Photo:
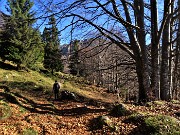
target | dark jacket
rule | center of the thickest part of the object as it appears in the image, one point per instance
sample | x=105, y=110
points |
x=56, y=87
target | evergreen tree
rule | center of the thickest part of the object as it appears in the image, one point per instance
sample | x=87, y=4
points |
x=21, y=43
x=52, y=55
x=74, y=61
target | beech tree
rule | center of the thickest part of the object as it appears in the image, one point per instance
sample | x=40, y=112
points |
x=129, y=18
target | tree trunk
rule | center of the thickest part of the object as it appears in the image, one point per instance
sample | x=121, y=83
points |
x=164, y=78
x=170, y=59
x=176, y=71
x=176, y=62
x=155, y=79
x=142, y=88
x=142, y=59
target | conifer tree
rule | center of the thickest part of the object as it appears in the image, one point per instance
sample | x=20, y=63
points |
x=52, y=55
x=74, y=61
x=21, y=43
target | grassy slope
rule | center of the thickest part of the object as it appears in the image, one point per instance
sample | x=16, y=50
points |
x=33, y=80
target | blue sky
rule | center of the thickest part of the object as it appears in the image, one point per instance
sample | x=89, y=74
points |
x=2, y=5
x=39, y=23
x=65, y=38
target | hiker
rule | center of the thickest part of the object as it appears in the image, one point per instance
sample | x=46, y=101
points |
x=56, y=88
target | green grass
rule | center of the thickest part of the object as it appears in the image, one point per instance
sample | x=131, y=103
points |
x=29, y=131
x=5, y=110
x=22, y=110
x=35, y=81
x=25, y=80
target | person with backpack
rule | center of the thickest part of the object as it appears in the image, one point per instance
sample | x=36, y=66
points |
x=56, y=88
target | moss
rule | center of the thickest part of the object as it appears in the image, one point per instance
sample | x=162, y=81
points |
x=22, y=110
x=163, y=125
x=159, y=102
x=119, y=110
x=136, y=117
x=29, y=131
x=175, y=101
x=5, y=110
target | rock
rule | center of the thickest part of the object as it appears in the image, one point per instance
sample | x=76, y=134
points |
x=119, y=110
x=177, y=114
x=104, y=120
x=67, y=95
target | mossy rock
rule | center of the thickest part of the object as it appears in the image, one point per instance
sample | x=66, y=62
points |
x=102, y=122
x=119, y=110
x=163, y=125
x=149, y=104
x=105, y=121
x=136, y=118
x=67, y=95
x=155, y=125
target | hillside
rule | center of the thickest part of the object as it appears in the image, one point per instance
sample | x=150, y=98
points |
x=27, y=108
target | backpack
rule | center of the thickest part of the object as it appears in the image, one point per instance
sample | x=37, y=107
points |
x=56, y=87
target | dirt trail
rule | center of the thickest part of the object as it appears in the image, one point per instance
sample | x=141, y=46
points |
x=49, y=117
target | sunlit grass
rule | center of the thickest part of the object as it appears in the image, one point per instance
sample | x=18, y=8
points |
x=33, y=80
x=29, y=131
x=5, y=110
x=23, y=79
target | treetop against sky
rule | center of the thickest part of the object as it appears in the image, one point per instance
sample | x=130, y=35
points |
x=41, y=6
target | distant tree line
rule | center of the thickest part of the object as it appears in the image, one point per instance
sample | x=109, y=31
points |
x=104, y=65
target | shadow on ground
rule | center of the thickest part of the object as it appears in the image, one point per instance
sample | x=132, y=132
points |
x=49, y=108
x=7, y=66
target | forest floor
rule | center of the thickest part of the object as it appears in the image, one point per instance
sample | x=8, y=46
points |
x=31, y=113
x=27, y=107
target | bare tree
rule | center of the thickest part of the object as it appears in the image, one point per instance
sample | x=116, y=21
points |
x=127, y=17
x=164, y=77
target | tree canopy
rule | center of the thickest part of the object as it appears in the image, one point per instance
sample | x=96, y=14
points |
x=21, y=43
x=52, y=56
x=128, y=24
